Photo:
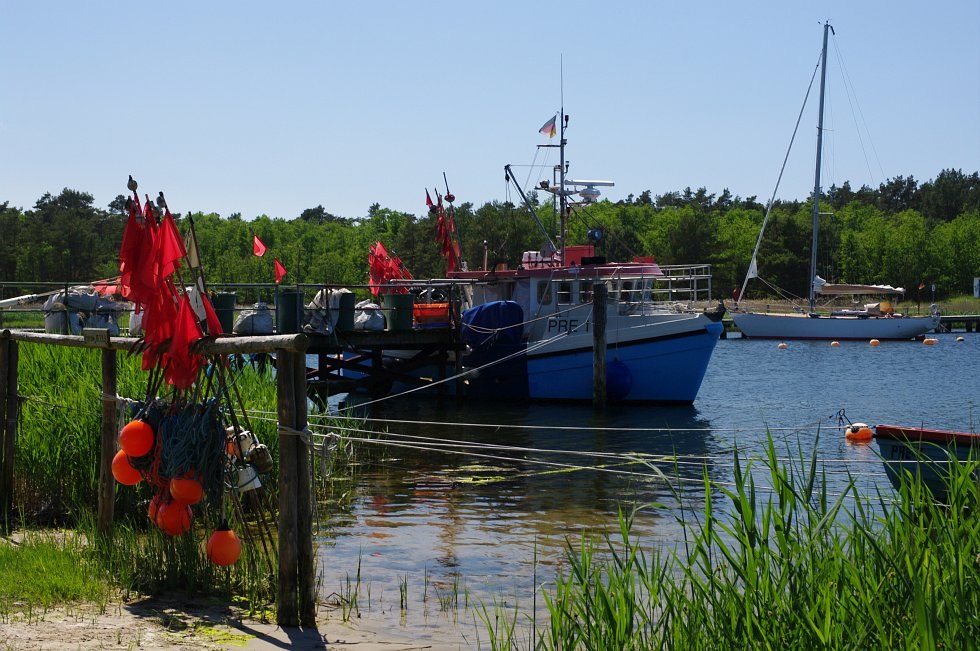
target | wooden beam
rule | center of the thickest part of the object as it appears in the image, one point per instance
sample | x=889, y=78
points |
x=306, y=565
x=107, y=450
x=9, y=425
x=599, y=346
x=222, y=345
x=287, y=613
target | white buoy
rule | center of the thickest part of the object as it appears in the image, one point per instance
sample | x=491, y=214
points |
x=835, y=344
x=782, y=345
x=960, y=339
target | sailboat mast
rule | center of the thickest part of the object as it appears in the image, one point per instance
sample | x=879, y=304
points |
x=816, y=175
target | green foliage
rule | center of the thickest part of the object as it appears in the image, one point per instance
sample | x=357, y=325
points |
x=902, y=232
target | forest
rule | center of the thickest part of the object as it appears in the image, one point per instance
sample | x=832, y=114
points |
x=904, y=233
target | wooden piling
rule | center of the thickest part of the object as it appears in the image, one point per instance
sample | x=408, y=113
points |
x=110, y=411
x=5, y=503
x=287, y=613
x=306, y=564
x=9, y=425
x=599, y=346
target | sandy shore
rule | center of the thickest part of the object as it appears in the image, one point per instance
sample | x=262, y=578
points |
x=183, y=623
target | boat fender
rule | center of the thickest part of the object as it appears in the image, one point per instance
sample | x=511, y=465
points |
x=619, y=380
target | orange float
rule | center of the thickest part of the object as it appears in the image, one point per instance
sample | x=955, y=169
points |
x=224, y=547
x=123, y=470
x=154, y=507
x=136, y=438
x=858, y=432
x=186, y=489
x=174, y=518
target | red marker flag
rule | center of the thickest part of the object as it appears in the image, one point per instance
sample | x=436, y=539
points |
x=258, y=248
x=428, y=199
x=280, y=271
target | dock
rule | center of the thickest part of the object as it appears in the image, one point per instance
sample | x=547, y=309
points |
x=372, y=362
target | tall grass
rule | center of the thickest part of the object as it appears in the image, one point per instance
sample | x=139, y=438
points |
x=796, y=567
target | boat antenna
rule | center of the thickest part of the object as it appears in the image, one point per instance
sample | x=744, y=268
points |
x=562, y=198
x=816, y=175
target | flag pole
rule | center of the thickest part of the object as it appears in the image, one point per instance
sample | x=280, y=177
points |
x=450, y=197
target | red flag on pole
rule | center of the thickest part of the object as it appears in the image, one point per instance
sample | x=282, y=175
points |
x=258, y=248
x=280, y=271
x=171, y=246
x=428, y=199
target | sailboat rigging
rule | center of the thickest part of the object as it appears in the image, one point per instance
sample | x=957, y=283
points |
x=874, y=321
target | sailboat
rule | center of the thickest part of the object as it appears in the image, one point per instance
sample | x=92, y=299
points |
x=876, y=320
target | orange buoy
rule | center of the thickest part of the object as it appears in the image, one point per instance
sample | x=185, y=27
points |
x=928, y=341
x=224, y=547
x=874, y=342
x=174, y=518
x=834, y=344
x=154, y=507
x=858, y=432
x=186, y=489
x=136, y=438
x=782, y=345
x=123, y=470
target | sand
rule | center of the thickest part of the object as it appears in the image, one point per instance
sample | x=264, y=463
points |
x=183, y=623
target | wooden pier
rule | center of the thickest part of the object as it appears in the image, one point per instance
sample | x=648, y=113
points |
x=361, y=355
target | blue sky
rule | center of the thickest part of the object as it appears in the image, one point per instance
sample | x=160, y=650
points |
x=272, y=108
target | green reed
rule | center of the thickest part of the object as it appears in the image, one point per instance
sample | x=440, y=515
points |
x=789, y=566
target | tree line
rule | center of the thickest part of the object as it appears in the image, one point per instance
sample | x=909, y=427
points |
x=903, y=233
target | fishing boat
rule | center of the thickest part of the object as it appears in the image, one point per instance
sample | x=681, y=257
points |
x=532, y=330
x=870, y=320
x=925, y=454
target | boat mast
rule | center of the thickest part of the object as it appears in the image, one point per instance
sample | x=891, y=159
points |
x=562, y=199
x=816, y=176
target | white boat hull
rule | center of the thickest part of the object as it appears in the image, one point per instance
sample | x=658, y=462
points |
x=801, y=326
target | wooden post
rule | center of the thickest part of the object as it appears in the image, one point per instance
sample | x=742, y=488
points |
x=5, y=501
x=107, y=484
x=599, y=346
x=306, y=564
x=9, y=424
x=287, y=614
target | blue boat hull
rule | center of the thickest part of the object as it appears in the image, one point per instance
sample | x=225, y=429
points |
x=660, y=370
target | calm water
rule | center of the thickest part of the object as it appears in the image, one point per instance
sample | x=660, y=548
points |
x=448, y=514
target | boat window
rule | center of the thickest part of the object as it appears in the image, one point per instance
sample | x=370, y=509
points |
x=544, y=292
x=585, y=292
x=564, y=293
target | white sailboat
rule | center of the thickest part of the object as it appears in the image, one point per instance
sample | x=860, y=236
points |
x=876, y=320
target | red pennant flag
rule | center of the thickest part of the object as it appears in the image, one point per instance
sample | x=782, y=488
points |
x=171, y=247
x=258, y=248
x=280, y=271
x=183, y=365
x=428, y=199
x=214, y=323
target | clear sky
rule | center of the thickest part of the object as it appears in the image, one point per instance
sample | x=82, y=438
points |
x=274, y=107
